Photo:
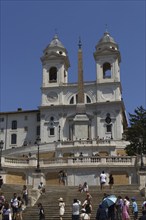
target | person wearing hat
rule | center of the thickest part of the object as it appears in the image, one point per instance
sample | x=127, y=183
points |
x=61, y=208
x=134, y=208
x=84, y=215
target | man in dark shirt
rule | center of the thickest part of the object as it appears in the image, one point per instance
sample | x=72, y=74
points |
x=143, y=217
x=111, y=212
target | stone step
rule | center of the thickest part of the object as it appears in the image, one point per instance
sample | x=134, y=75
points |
x=50, y=200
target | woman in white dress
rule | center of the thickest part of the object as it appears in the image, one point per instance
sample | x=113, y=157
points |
x=61, y=208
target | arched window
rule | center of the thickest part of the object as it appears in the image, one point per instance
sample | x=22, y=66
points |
x=14, y=125
x=13, y=139
x=53, y=75
x=88, y=100
x=71, y=100
x=106, y=70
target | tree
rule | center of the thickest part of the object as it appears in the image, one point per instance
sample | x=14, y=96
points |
x=136, y=131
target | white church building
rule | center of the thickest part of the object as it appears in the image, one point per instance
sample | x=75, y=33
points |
x=80, y=125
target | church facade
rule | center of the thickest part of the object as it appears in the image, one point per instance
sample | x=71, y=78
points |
x=72, y=111
x=75, y=120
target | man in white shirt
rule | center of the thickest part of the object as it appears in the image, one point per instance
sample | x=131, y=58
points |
x=76, y=209
x=102, y=179
x=14, y=206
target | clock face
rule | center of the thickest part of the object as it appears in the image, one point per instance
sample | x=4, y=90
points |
x=52, y=96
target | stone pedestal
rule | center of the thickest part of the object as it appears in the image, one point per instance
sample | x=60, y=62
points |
x=81, y=127
x=142, y=181
x=37, y=178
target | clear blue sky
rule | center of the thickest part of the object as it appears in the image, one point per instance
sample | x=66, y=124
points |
x=27, y=27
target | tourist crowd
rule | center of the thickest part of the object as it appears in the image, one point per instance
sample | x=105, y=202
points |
x=109, y=208
x=13, y=209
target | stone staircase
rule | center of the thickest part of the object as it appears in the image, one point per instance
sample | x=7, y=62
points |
x=9, y=190
x=50, y=200
x=53, y=193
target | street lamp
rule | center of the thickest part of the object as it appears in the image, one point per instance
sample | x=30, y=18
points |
x=37, y=142
x=111, y=132
x=1, y=147
x=59, y=132
x=141, y=152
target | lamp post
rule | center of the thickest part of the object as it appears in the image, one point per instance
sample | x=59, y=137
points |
x=1, y=147
x=141, y=152
x=111, y=132
x=37, y=142
x=59, y=128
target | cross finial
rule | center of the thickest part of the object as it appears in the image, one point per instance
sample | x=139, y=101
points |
x=80, y=44
x=106, y=28
x=56, y=31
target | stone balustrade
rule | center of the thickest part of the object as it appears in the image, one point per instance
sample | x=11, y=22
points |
x=88, y=142
x=73, y=161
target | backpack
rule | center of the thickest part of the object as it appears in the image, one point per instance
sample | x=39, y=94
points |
x=86, y=216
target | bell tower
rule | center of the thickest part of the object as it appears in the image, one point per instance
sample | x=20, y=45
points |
x=55, y=64
x=109, y=93
x=107, y=57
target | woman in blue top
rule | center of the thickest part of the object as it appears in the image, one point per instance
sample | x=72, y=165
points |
x=134, y=208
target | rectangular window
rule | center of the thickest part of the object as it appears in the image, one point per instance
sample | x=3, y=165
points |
x=1, y=119
x=14, y=125
x=2, y=130
x=13, y=139
x=38, y=131
x=52, y=131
